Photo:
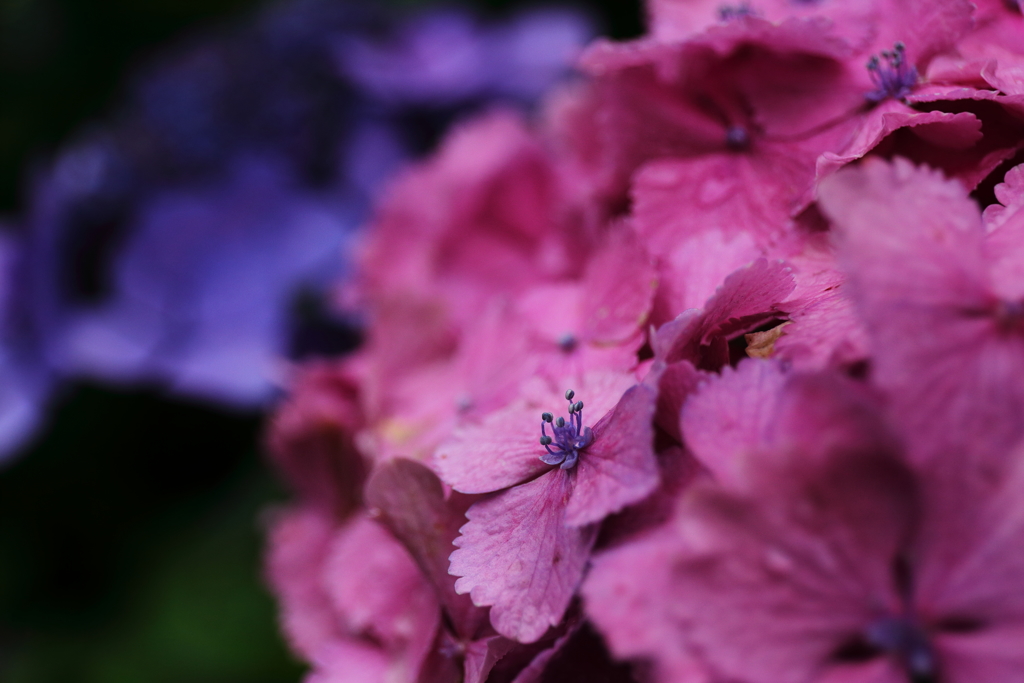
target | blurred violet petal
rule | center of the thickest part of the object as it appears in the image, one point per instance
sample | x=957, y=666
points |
x=25, y=377
x=449, y=57
x=203, y=283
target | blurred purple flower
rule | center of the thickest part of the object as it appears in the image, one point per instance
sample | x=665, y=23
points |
x=24, y=379
x=449, y=56
x=191, y=239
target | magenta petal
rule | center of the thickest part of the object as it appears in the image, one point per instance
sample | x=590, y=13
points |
x=951, y=362
x=733, y=415
x=632, y=613
x=618, y=287
x=907, y=235
x=379, y=591
x=678, y=198
x=498, y=452
x=1004, y=246
x=983, y=658
x=482, y=655
x=412, y=504
x=956, y=131
x=517, y=555
x=789, y=569
x=1010, y=194
x=752, y=290
x=298, y=545
x=619, y=468
x=678, y=469
x=688, y=277
x=748, y=297
x=825, y=329
x=350, y=661
x=927, y=28
x=978, y=573
x=502, y=450
x=311, y=440
x=534, y=671
x=854, y=22
x=676, y=383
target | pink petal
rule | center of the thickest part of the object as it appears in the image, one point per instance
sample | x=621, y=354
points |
x=678, y=470
x=748, y=298
x=972, y=558
x=1004, y=247
x=730, y=192
x=518, y=555
x=677, y=382
x=952, y=131
x=617, y=290
x=534, y=671
x=791, y=568
x=926, y=28
x=983, y=657
x=348, y=661
x=298, y=543
x=412, y=504
x=500, y=451
x=377, y=590
x=632, y=614
x=825, y=329
x=1010, y=194
x=552, y=310
x=619, y=467
x=681, y=19
x=695, y=268
x=913, y=245
x=579, y=656
x=442, y=663
x=482, y=655
x=311, y=439
x=733, y=415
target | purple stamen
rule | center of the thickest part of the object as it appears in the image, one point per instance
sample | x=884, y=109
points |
x=730, y=12
x=906, y=640
x=568, y=438
x=737, y=138
x=895, y=78
x=1010, y=315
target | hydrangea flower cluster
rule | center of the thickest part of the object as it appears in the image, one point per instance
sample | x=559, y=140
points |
x=772, y=256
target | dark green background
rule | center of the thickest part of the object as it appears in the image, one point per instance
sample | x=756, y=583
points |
x=130, y=529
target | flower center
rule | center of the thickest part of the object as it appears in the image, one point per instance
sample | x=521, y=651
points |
x=568, y=437
x=737, y=138
x=905, y=639
x=891, y=74
x=730, y=12
x=1010, y=315
x=567, y=342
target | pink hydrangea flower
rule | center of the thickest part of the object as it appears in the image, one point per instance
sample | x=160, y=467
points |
x=524, y=548
x=942, y=318
x=792, y=447
x=818, y=554
x=725, y=140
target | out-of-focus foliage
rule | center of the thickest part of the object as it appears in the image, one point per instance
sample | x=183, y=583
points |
x=129, y=539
